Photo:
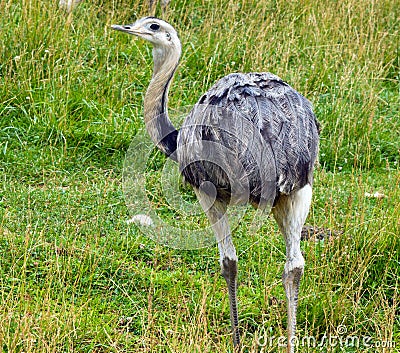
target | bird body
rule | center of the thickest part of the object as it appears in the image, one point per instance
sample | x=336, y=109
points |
x=250, y=138
x=266, y=130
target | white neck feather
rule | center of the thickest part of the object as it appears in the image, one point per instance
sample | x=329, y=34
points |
x=156, y=118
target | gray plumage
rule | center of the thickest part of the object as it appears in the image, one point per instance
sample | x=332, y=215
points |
x=250, y=138
x=269, y=129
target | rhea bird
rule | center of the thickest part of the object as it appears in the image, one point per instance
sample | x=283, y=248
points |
x=252, y=139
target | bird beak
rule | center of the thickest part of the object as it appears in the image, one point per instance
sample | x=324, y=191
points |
x=131, y=29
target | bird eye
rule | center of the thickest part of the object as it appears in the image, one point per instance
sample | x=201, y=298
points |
x=155, y=26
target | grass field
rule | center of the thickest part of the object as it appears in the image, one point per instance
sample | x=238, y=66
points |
x=75, y=277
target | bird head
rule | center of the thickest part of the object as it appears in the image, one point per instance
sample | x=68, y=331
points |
x=152, y=29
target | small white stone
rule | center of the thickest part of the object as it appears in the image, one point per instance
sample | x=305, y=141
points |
x=376, y=195
x=68, y=5
x=141, y=219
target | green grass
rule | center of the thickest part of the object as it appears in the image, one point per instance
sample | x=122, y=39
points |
x=75, y=277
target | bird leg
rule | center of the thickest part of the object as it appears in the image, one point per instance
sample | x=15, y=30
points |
x=290, y=213
x=216, y=213
x=229, y=272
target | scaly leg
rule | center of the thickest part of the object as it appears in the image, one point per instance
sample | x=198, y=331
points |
x=216, y=213
x=290, y=213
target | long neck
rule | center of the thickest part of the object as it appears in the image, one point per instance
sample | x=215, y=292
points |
x=158, y=124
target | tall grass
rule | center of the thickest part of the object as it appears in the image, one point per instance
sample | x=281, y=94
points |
x=74, y=277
